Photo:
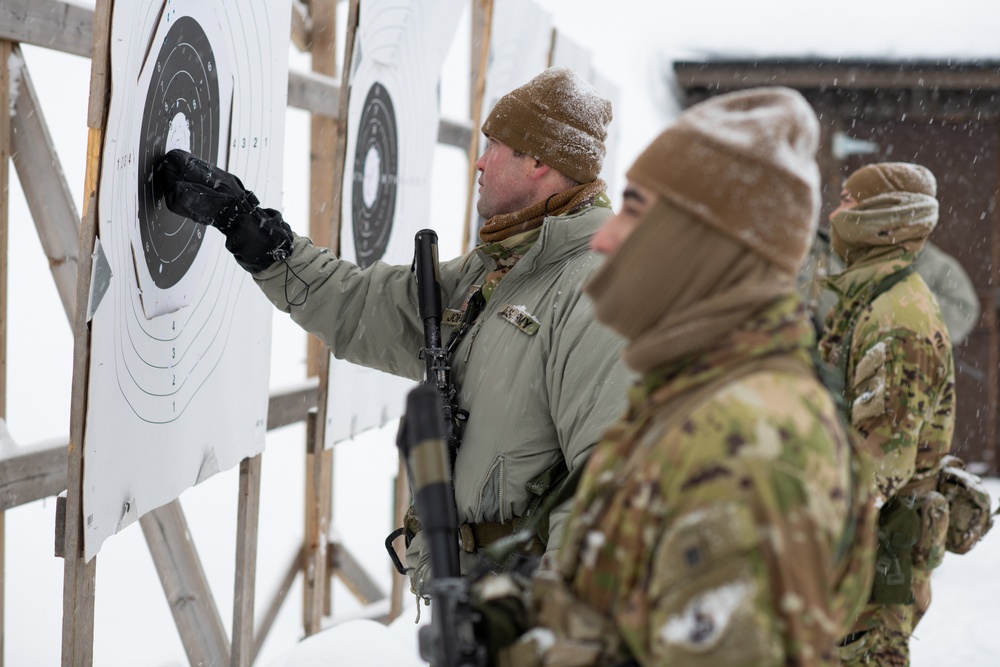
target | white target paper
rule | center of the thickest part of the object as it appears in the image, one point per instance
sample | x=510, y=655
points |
x=392, y=120
x=520, y=45
x=178, y=385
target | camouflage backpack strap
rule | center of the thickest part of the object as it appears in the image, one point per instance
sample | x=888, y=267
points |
x=883, y=286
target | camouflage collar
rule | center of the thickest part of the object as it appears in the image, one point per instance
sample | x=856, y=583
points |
x=505, y=254
x=782, y=328
x=862, y=276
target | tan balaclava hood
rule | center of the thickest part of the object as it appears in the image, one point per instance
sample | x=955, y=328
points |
x=895, y=207
x=744, y=163
x=557, y=118
x=737, y=190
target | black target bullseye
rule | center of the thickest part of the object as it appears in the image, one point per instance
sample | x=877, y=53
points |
x=181, y=111
x=376, y=167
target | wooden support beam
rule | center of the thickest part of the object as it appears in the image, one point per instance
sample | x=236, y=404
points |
x=32, y=475
x=324, y=184
x=61, y=26
x=45, y=189
x=39, y=471
x=317, y=521
x=277, y=600
x=349, y=570
x=246, y=562
x=79, y=574
x=301, y=26
x=185, y=585
x=482, y=19
x=292, y=405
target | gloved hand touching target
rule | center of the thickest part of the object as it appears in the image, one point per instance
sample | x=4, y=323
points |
x=206, y=194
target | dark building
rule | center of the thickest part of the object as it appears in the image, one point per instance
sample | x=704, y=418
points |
x=944, y=115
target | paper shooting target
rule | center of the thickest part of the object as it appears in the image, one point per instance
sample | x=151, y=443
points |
x=181, y=111
x=376, y=165
x=392, y=127
x=181, y=339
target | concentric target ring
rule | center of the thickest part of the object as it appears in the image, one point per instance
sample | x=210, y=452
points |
x=376, y=165
x=181, y=111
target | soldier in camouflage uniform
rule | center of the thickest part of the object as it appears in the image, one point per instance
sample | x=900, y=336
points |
x=945, y=277
x=887, y=336
x=725, y=519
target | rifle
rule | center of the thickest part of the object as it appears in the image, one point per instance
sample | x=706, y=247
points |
x=438, y=372
x=449, y=641
x=425, y=266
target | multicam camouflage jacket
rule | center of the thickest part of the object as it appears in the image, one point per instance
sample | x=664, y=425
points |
x=900, y=380
x=724, y=521
x=900, y=389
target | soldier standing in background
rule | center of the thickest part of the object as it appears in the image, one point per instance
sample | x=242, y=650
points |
x=887, y=336
x=944, y=275
x=726, y=520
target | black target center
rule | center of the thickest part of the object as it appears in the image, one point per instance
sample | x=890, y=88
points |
x=181, y=111
x=375, y=175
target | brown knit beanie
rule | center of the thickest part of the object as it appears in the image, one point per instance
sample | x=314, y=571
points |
x=557, y=118
x=877, y=179
x=744, y=163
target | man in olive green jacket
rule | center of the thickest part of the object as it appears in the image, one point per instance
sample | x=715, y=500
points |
x=538, y=376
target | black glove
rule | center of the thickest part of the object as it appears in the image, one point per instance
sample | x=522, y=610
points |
x=195, y=189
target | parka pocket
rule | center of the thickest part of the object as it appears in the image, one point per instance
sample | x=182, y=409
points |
x=492, y=506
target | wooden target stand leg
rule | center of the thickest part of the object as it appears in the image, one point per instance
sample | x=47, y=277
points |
x=165, y=528
x=322, y=558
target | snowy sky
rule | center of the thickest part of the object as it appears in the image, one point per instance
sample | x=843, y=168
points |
x=633, y=41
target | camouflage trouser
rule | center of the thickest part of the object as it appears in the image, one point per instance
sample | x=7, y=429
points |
x=879, y=646
x=882, y=637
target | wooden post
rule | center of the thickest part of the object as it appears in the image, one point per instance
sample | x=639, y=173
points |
x=78, y=574
x=482, y=18
x=246, y=562
x=319, y=477
x=323, y=181
x=325, y=177
x=5, y=53
x=316, y=523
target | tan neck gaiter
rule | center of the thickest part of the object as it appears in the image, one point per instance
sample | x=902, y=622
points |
x=881, y=223
x=503, y=226
x=675, y=286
